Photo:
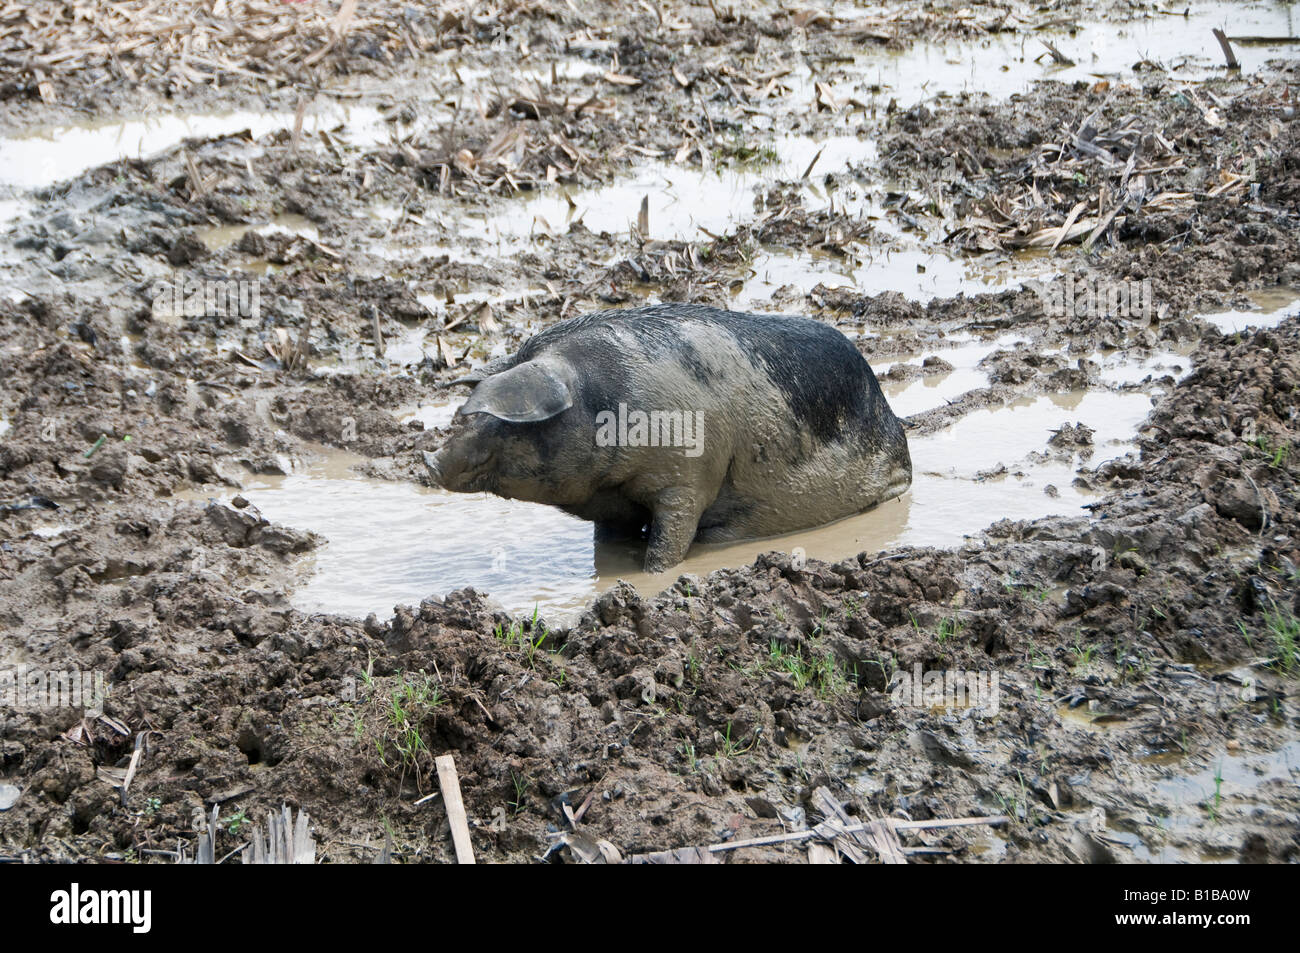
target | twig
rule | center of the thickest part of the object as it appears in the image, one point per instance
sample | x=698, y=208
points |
x=1227, y=49
x=135, y=763
x=808, y=171
x=1060, y=58
x=853, y=828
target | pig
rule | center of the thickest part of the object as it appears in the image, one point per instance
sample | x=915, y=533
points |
x=686, y=422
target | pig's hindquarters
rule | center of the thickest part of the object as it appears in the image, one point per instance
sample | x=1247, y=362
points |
x=781, y=479
x=761, y=499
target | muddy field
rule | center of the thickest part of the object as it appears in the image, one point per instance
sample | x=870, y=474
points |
x=245, y=262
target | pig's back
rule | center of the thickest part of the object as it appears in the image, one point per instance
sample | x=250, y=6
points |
x=828, y=386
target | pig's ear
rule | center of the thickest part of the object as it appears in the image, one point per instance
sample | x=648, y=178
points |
x=524, y=394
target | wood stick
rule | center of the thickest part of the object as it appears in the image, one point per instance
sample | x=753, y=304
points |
x=298, y=115
x=1264, y=40
x=808, y=171
x=139, y=747
x=450, y=784
x=950, y=822
x=1227, y=49
x=815, y=832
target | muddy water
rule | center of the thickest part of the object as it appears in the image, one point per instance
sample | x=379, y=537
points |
x=397, y=543
x=223, y=236
x=915, y=273
x=1001, y=64
x=962, y=352
x=679, y=207
x=683, y=204
x=1004, y=64
x=44, y=155
x=1222, y=789
x=1238, y=774
x=391, y=543
x=1272, y=307
x=1121, y=369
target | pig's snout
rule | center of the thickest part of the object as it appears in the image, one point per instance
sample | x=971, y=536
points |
x=464, y=464
x=434, y=466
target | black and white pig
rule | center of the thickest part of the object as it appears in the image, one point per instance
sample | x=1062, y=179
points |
x=697, y=423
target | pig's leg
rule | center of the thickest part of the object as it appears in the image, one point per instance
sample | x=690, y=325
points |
x=676, y=516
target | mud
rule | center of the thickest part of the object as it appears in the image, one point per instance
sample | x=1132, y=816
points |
x=219, y=509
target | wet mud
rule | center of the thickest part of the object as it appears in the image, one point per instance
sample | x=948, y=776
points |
x=216, y=503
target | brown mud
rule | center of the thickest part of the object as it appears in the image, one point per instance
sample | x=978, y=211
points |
x=221, y=511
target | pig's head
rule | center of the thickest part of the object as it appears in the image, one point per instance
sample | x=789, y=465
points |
x=516, y=438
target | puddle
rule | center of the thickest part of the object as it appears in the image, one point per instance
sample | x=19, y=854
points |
x=922, y=275
x=1274, y=306
x=795, y=156
x=988, y=847
x=385, y=212
x=1211, y=802
x=219, y=237
x=934, y=390
x=1123, y=369
x=397, y=543
x=431, y=415
x=1241, y=773
x=406, y=348
x=48, y=154
x=916, y=274
x=1004, y=64
x=684, y=203
x=392, y=543
x=983, y=439
x=1090, y=720
x=774, y=269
